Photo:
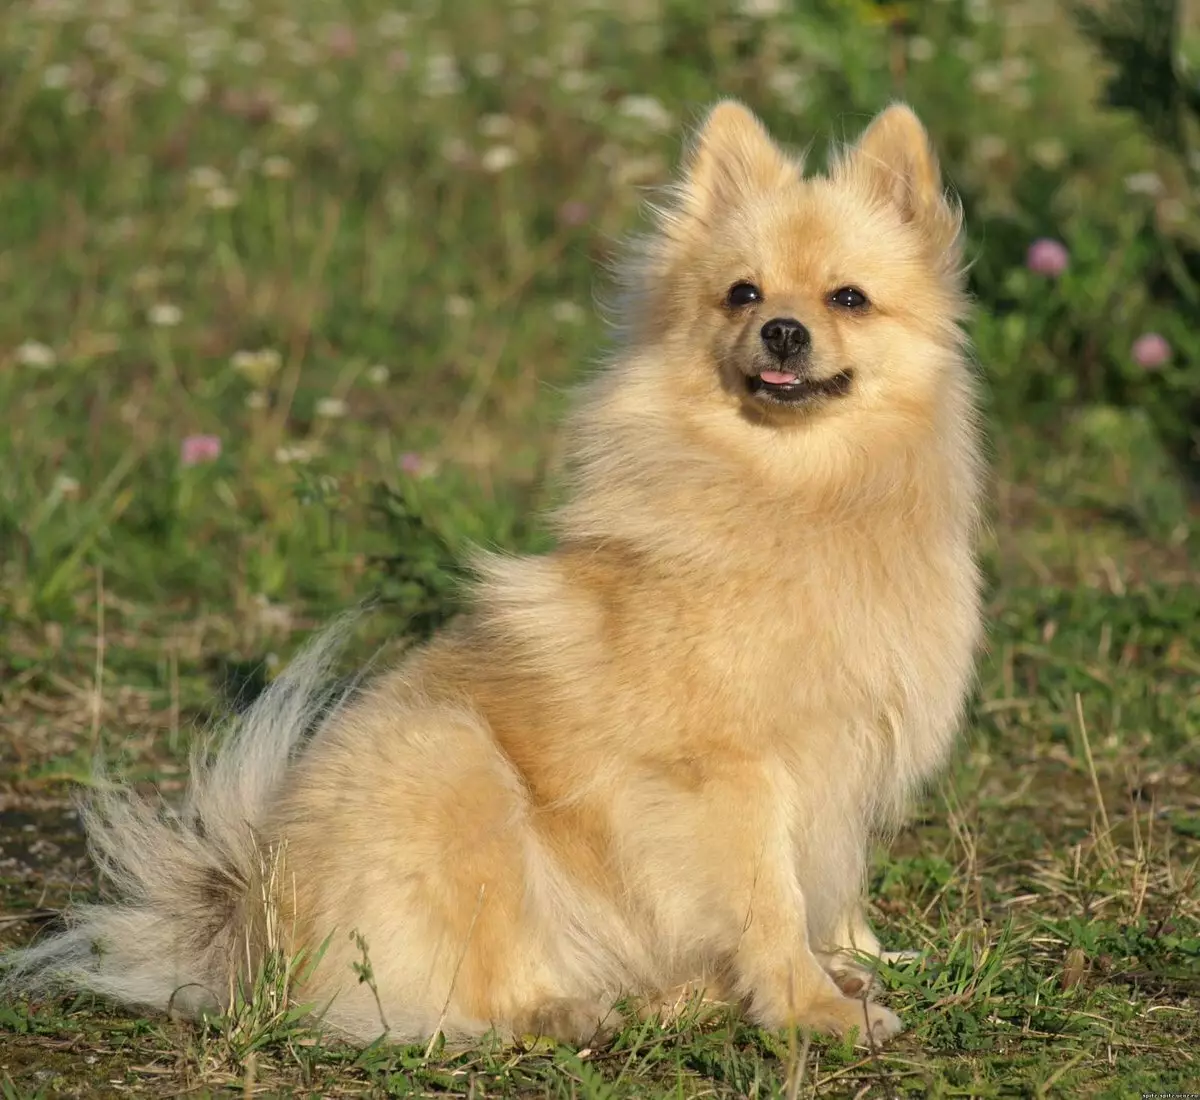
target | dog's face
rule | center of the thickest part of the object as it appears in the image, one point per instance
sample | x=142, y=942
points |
x=795, y=300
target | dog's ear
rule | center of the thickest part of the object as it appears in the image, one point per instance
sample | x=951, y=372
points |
x=731, y=157
x=895, y=161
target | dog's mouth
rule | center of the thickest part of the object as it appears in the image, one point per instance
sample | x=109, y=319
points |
x=781, y=387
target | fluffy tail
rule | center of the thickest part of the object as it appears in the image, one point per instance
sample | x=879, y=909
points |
x=187, y=884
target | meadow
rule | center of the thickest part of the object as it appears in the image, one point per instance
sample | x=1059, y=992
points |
x=291, y=299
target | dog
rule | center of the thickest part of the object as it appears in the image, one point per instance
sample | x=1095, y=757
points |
x=656, y=756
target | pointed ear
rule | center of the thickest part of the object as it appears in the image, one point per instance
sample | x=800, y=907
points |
x=732, y=156
x=896, y=162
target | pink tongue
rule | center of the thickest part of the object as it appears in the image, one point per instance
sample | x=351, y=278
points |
x=778, y=377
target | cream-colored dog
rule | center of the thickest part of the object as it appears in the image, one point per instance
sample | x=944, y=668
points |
x=658, y=754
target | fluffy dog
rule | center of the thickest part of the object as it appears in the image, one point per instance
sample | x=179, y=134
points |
x=658, y=754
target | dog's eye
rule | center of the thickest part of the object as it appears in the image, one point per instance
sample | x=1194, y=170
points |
x=849, y=297
x=743, y=294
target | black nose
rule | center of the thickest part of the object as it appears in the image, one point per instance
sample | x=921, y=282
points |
x=785, y=337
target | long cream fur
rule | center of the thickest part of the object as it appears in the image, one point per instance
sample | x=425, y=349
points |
x=658, y=754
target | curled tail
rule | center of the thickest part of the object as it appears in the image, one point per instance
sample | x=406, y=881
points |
x=187, y=884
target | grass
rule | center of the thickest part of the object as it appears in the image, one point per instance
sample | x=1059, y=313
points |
x=361, y=251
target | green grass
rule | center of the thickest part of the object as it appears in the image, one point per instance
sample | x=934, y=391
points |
x=422, y=310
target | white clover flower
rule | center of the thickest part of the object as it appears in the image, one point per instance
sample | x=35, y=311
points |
x=990, y=147
x=496, y=126
x=576, y=81
x=456, y=151
x=222, y=198
x=648, y=110
x=193, y=88
x=164, y=315
x=66, y=486
x=330, y=408
x=1145, y=183
x=206, y=178
x=378, y=374
x=392, y=24
x=988, y=80
x=1049, y=153
x=568, y=313
x=489, y=65
x=298, y=116
x=921, y=48
x=459, y=306
x=278, y=168
x=442, y=77
x=258, y=366
x=36, y=355
x=498, y=158
x=250, y=52
x=56, y=77
x=256, y=399
x=297, y=452
x=760, y=9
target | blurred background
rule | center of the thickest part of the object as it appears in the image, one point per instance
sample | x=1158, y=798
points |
x=291, y=294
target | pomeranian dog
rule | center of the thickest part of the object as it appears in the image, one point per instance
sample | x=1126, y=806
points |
x=657, y=756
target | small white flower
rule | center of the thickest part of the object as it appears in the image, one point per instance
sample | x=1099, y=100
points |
x=258, y=366
x=277, y=168
x=302, y=54
x=35, y=355
x=164, y=315
x=568, y=313
x=193, y=88
x=499, y=158
x=988, y=80
x=99, y=37
x=921, y=48
x=256, y=399
x=298, y=116
x=66, y=486
x=56, y=76
x=154, y=74
x=1016, y=68
x=330, y=408
x=1050, y=153
x=296, y=452
x=146, y=279
x=489, y=65
x=222, y=198
x=1145, y=183
x=760, y=9
x=496, y=126
x=250, y=52
x=458, y=306
x=442, y=77
x=990, y=147
x=648, y=110
x=456, y=151
x=378, y=374
x=575, y=81
x=392, y=24
x=206, y=178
